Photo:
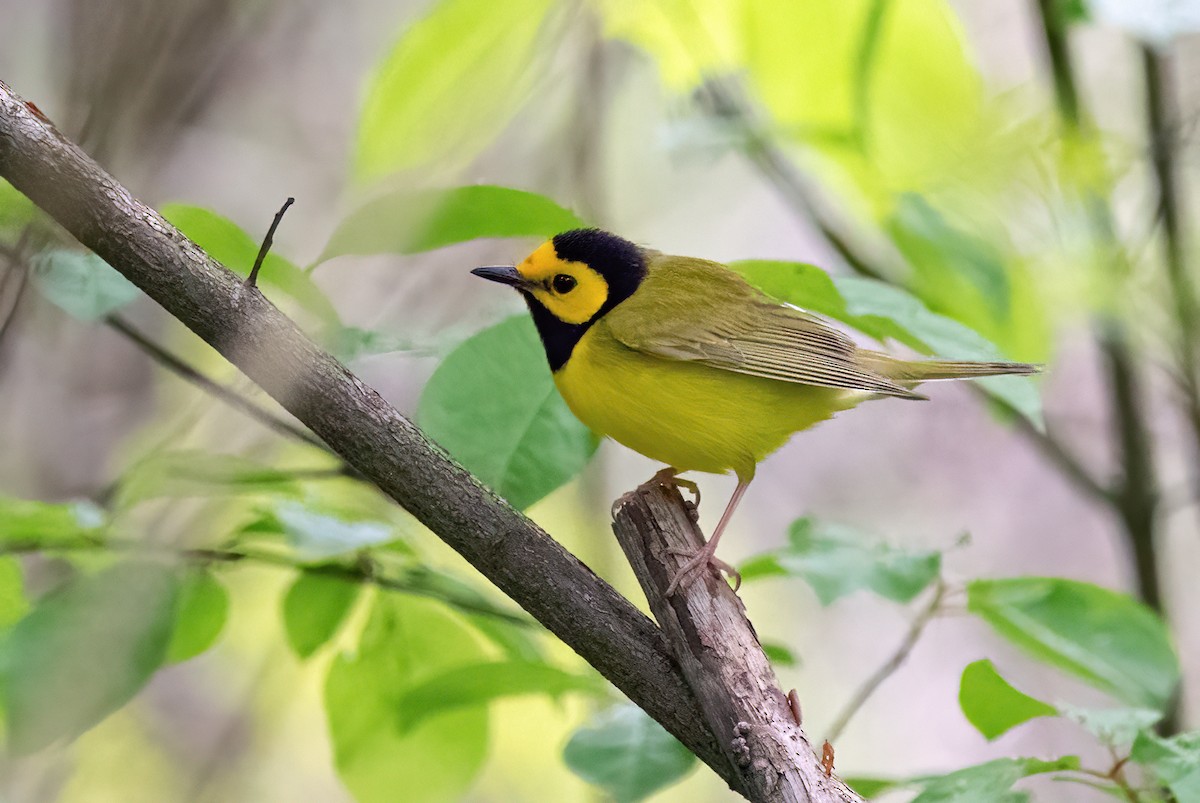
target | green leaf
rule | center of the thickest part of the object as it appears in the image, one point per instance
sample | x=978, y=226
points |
x=992, y=705
x=350, y=343
x=16, y=210
x=870, y=787
x=13, y=604
x=492, y=404
x=779, y=655
x=406, y=642
x=1069, y=12
x=884, y=312
x=200, y=613
x=45, y=524
x=314, y=608
x=318, y=535
x=836, y=560
x=84, y=651
x=990, y=782
x=80, y=283
x=450, y=84
x=1106, y=638
x=628, y=754
x=226, y=242
x=1114, y=727
x=189, y=472
x=1174, y=761
x=479, y=684
x=948, y=260
x=407, y=222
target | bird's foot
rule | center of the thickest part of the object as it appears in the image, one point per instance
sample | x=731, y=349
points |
x=668, y=478
x=697, y=562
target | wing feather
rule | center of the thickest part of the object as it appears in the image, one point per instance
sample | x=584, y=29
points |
x=700, y=311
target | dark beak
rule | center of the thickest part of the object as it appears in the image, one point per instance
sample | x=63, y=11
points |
x=504, y=274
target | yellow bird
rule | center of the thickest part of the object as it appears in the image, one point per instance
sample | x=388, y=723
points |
x=682, y=360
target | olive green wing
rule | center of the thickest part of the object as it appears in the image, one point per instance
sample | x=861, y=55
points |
x=699, y=311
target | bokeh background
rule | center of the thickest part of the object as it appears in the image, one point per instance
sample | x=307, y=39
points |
x=234, y=106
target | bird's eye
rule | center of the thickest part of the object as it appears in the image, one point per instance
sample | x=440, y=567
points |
x=563, y=283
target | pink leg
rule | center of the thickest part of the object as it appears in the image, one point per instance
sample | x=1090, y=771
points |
x=707, y=554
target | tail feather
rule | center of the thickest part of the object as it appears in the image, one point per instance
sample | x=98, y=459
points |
x=931, y=370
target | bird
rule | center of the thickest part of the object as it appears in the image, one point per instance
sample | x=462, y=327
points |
x=682, y=360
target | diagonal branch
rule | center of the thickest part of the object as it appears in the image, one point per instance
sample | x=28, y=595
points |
x=512, y=552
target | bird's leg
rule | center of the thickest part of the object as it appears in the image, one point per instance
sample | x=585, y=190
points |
x=706, y=556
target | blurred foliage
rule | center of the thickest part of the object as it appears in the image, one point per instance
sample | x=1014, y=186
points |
x=983, y=220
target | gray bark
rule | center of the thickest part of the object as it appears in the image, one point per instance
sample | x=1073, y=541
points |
x=706, y=627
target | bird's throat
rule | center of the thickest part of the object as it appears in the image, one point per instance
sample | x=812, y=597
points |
x=558, y=336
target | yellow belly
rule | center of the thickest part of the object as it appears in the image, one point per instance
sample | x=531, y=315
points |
x=689, y=416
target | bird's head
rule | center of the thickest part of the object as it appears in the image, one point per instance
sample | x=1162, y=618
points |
x=577, y=276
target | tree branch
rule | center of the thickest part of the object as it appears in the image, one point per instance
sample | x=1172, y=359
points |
x=718, y=650
x=512, y=552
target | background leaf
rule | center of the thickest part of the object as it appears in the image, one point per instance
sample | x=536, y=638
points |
x=80, y=283
x=1103, y=637
x=84, y=651
x=314, y=608
x=191, y=472
x=837, y=560
x=227, y=243
x=1174, y=761
x=1115, y=727
x=451, y=82
x=481, y=683
x=46, y=523
x=990, y=782
x=492, y=404
x=318, y=535
x=201, y=611
x=992, y=705
x=13, y=604
x=628, y=754
x=406, y=642
x=407, y=222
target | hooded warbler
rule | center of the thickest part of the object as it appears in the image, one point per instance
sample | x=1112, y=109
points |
x=682, y=360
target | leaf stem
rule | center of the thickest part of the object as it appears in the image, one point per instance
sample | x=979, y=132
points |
x=893, y=663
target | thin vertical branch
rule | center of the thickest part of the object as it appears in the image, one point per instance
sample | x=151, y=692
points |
x=1156, y=68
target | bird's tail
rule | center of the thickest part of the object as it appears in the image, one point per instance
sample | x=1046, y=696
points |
x=905, y=371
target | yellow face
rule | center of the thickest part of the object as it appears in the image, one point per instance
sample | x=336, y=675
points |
x=571, y=291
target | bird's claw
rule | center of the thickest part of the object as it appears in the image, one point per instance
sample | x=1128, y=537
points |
x=696, y=562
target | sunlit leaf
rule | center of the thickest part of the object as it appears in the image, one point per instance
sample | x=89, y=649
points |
x=870, y=787
x=990, y=782
x=314, y=609
x=493, y=405
x=992, y=704
x=80, y=283
x=226, y=242
x=44, y=524
x=885, y=313
x=779, y=655
x=16, y=210
x=1103, y=637
x=1115, y=727
x=1156, y=22
x=317, y=535
x=200, y=614
x=1174, y=761
x=481, y=683
x=407, y=222
x=13, y=604
x=84, y=651
x=450, y=84
x=627, y=753
x=837, y=560
x=188, y=472
x=406, y=642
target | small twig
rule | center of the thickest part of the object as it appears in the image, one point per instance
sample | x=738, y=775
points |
x=227, y=395
x=872, y=684
x=252, y=279
x=364, y=572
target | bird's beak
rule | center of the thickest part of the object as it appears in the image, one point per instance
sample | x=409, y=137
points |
x=504, y=274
